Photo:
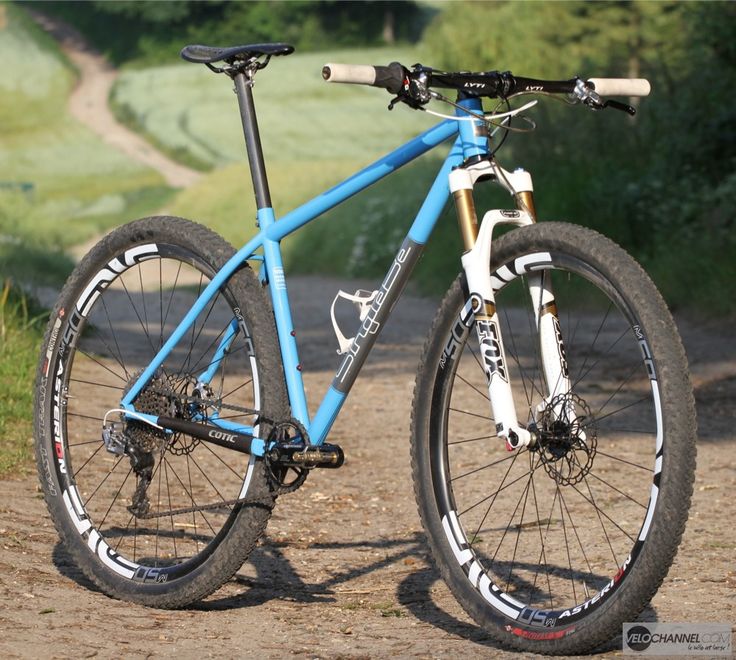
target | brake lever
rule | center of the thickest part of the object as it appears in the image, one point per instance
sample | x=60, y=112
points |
x=594, y=104
x=623, y=107
x=415, y=91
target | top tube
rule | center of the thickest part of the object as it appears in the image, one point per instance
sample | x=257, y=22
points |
x=374, y=172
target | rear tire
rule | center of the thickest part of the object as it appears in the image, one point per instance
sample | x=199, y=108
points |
x=551, y=549
x=117, y=308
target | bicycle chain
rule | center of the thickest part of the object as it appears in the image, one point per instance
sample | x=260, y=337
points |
x=266, y=501
x=218, y=404
x=279, y=487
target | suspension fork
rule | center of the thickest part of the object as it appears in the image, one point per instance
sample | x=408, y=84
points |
x=551, y=344
x=482, y=306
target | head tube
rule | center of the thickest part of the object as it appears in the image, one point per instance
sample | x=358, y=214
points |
x=473, y=134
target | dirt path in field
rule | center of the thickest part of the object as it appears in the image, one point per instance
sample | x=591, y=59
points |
x=88, y=102
x=343, y=571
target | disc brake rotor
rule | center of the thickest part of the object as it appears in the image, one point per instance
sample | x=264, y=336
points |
x=568, y=439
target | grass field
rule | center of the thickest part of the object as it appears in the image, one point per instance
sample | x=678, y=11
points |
x=21, y=329
x=192, y=112
x=59, y=183
x=314, y=135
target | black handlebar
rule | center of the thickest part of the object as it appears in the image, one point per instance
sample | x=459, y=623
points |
x=413, y=86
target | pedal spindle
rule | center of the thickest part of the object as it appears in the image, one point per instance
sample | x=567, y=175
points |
x=315, y=456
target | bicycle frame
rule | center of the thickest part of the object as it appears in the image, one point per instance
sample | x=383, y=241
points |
x=471, y=142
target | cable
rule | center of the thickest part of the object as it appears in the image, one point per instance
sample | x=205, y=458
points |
x=486, y=117
x=132, y=414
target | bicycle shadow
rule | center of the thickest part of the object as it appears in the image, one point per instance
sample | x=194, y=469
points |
x=277, y=579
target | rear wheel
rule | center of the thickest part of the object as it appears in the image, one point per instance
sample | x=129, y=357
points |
x=551, y=548
x=157, y=520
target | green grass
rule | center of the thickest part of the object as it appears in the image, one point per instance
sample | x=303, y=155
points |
x=188, y=110
x=59, y=183
x=21, y=331
x=358, y=238
x=314, y=135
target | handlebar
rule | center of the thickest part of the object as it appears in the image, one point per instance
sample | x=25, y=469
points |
x=412, y=86
x=389, y=77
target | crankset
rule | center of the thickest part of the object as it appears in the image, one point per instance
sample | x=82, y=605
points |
x=290, y=457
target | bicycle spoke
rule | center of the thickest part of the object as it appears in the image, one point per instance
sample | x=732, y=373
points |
x=231, y=392
x=622, y=460
x=643, y=399
x=171, y=507
x=634, y=369
x=595, y=339
x=618, y=490
x=171, y=296
x=138, y=316
x=519, y=527
x=558, y=496
x=542, y=550
x=460, y=442
x=219, y=458
x=105, y=367
x=493, y=496
x=95, y=384
x=466, y=412
x=94, y=453
x=190, y=495
x=101, y=524
x=474, y=388
x=512, y=457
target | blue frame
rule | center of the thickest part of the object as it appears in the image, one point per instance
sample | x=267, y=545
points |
x=469, y=142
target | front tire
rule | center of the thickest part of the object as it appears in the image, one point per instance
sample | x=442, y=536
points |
x=550, y=549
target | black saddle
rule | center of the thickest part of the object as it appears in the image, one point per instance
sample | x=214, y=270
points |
x=211, y=54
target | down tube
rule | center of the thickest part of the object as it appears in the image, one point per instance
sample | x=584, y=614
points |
x=388, y=294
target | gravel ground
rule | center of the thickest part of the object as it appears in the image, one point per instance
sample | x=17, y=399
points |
x=343, y=570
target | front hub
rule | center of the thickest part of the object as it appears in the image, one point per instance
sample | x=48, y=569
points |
x=567, y=437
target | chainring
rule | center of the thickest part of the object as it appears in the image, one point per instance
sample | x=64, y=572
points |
x=277, y=475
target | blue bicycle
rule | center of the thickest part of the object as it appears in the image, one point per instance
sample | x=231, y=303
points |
x=553, y=425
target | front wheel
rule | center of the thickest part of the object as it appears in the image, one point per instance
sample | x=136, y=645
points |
x=552, y=547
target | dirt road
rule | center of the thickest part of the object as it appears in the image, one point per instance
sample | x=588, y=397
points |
x=88, y=102
x=343, y=571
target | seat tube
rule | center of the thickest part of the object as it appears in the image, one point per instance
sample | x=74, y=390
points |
x=271, y=251
x=284, y=324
